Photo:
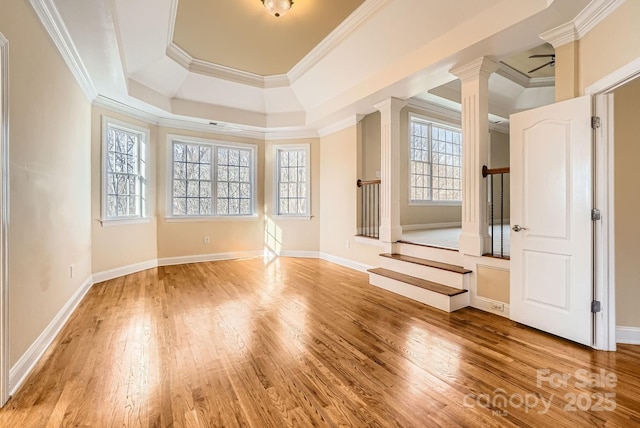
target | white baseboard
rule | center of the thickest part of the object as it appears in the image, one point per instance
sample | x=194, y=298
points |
x=300, y=254
x=408, y=227
x=23, y=367
x=168, y=261
x=124, y=270
x=628, y=335
x=486, y=305
x=345, y=262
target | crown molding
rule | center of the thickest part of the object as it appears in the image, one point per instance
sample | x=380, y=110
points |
x=561, y=35
x=582, y=24
x=522, y=79
x=593, y=14
x=53, y=23
x=352, y=120
x=337, y=36
x=367, y=10
x=216, y=128
x=206, y=68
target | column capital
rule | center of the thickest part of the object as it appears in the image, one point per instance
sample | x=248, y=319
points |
x=390, y=103
x=474, y=69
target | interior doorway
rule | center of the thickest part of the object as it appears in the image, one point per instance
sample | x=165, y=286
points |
x=604, y=200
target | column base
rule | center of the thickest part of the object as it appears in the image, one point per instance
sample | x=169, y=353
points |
x=474, y=244
x=390, y=233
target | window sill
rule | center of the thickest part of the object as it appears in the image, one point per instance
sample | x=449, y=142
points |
x=124, y=221
x=435, y=203
x=279, y=217
x=207, y=219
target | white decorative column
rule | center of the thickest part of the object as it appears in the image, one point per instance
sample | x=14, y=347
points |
x=474, y=77
x=390, y=229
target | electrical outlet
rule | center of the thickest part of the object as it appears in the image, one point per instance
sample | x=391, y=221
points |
x=205, y=240
x=497, y=307
x=347, y=244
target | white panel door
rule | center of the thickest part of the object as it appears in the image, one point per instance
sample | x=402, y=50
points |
x=551, y=201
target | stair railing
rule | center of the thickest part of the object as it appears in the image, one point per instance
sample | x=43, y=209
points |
x=491, y=172
x=369, y=221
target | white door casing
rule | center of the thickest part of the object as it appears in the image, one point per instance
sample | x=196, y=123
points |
x=551, y=199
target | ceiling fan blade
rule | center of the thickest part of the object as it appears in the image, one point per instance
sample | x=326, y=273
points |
x=543, y=56
x=542, y=66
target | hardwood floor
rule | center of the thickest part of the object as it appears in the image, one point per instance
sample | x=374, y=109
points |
x=303, y=342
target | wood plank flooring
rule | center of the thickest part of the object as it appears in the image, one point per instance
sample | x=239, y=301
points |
x=303, y=342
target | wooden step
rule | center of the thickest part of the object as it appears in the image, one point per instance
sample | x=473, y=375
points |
x=418, y=282
x=429, y=263
x=420, y=244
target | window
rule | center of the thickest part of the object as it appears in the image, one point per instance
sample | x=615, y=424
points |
x=124, y=178
x=435, y=162
x=292, y=180
x=211, y=178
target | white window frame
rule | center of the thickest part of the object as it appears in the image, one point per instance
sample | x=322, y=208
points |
x=454, y=127
x=276, y=180
x=143, y=172
x=175, y=138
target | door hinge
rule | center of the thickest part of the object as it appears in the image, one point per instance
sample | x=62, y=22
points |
x=595, y=214
x=595, y=306
x=595, y=122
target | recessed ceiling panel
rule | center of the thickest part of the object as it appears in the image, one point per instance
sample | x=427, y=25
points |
x=241, y=34
x=524, y=64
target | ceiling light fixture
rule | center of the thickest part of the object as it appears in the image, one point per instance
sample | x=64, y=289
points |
x=277, y=7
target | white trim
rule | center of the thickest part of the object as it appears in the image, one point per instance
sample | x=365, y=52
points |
x=510, y=73
x=123, y=270
x=276, y=149
x=214, y=144
x=4, y=220
x=170, y=261
x=345, y=262
x=23, y=367
x=125, y=109
x=143, y=177
x=54, y=24
x=629, y=335
x=279, y=217
x=182, y=58
x=348, y=122
x=426, y=226
x=486, y=304
x=595, y=12
x=362, y=14
x=616, y=79
x=604, y=247
x=212, y=218
x=124, y=221
x=300, y=254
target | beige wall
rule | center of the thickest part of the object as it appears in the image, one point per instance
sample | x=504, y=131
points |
x=627, y=203
x=493, y=283
x=292, y=234
x=114, y=245
x=567, y=71
x=370, y=146
x=50, y=172
x=338, y=170
x=610, y=45
x=185, y=238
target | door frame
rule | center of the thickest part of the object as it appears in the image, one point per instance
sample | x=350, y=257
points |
x=604, y=231
x=4, y=220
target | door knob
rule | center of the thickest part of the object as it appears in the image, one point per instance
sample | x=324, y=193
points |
x=518, y=228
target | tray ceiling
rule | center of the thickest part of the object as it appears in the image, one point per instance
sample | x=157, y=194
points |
x=240, y=34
